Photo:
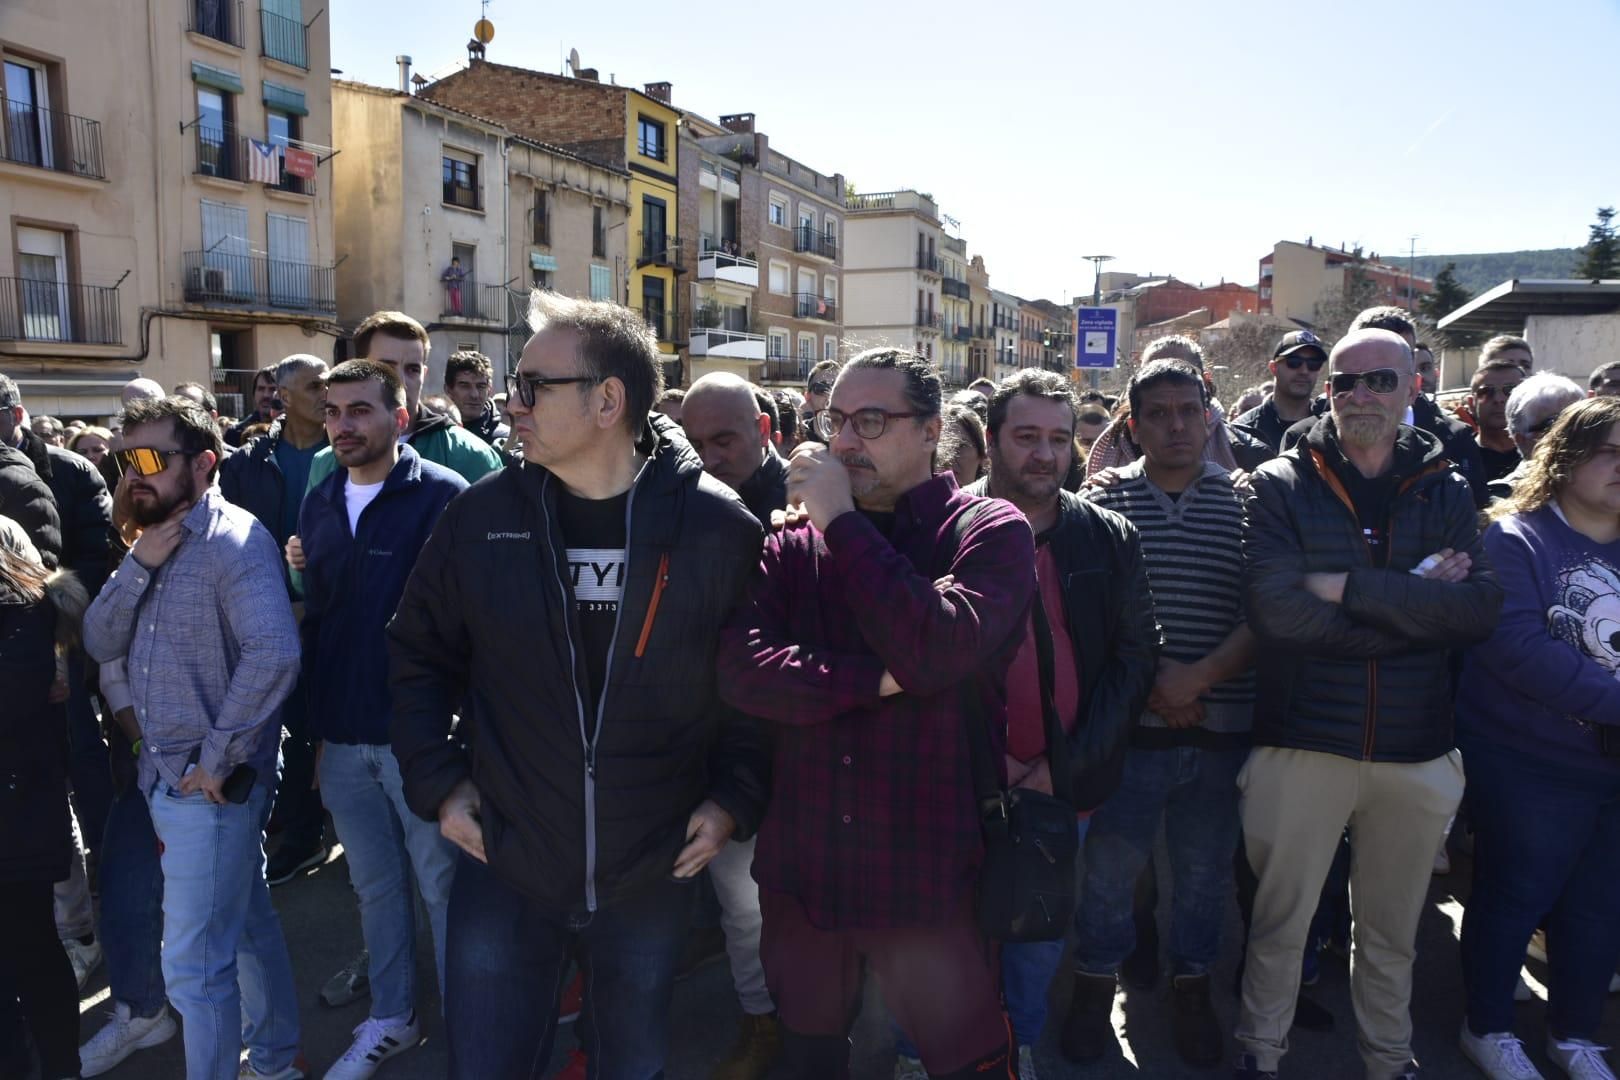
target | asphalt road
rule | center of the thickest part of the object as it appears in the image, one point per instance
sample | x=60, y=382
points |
x=322, y=927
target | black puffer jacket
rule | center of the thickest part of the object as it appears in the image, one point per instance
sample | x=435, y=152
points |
x=581, y=804
x=84, y=506
x=26, y=499
x=252, y=479
x=1369, y=678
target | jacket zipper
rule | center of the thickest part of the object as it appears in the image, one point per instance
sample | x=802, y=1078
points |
x=1369, y=723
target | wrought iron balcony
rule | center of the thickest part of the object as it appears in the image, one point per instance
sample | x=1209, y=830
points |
x=284, y=39
x=927, y=262
x=217, y=19
x=222, y=152
x=961, y=333
x=469, y=300
x=811, y=306
x=465, y=196
x=782, y=367
x=808, y=241
x=50, y=139
x=60, y=311
x=667, y=325
x=928, y=319
x=660, y=250
x=956, y=287
x=219, y=279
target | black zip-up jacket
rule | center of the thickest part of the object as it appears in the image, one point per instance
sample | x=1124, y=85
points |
x=1454, y=436
x=84, y=506
x=1109, y=611
x=26, y=498
x=583, y=803
x=1369, y=678
x=766, y=490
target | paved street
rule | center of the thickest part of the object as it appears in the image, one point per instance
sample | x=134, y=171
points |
x=319, y=916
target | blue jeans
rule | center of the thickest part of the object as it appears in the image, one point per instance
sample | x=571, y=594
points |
x=384, y=844
x=1195, y=791
x=1546, y=845
x=224, y=960
x=507, y=960
x=132, y=905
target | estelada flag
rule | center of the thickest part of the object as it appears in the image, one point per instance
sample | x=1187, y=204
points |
x=264, y=162
x=299, y=163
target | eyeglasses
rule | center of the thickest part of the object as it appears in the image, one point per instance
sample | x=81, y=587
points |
x=869, y=423
x=1296, y=361
x=145, y=461
x=821, y=388
x=523, y=386
x=1382, y=380
x=1491, y=392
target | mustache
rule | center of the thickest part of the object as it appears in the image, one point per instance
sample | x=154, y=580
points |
x=856, y=461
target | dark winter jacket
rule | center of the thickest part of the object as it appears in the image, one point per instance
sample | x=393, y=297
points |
x=582, y=803
x=252, y=479
x=766, y=490
x=1263, y=423
x=89, y=545
x=352, y=583
x=1455, y=438
x=1370, y=677
x=26, y=498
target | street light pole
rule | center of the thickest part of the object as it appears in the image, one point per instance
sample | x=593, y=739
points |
x=1097, y=261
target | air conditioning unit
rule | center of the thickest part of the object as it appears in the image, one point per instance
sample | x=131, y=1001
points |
x=208, y=281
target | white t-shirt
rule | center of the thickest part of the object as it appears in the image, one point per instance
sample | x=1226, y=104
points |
x=358, y=497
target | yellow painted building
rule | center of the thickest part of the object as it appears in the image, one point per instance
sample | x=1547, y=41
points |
x=651, y=145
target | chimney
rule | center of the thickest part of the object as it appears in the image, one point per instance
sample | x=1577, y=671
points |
x=659, y=91
x=404, y=63
x=588, y=74
x=741, y=123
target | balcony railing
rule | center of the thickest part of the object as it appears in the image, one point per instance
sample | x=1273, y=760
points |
x=224, y=153
x=48, y=139
x=961, y=333
x=781, y=367
x=666, y=325
x=217, y=19
x=719, y=265
x=928, y=319
x=64, y=311
x=928, y=263
x=467, y=299
x=811, y=306
x=956, y=287
x=220, y=279
x=284, y=39
x=808, y=241
x=466, y=196
x=660, y=249
x=984, y=332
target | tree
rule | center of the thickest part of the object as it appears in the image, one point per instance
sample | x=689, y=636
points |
x=1448, y=296
x=1244, y=351
x=1600, y=258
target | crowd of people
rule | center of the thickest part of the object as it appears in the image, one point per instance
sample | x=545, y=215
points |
x=868, y=680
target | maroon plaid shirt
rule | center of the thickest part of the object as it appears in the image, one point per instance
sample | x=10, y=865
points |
x=872, y=821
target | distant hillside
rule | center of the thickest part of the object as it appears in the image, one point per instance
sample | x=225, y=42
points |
x=1480, y=272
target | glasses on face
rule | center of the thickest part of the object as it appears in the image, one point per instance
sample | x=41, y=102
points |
x=821, y=388
x=145, y=461
x=1382, y=380
x=523, y=386
x=869, y=423
x=1313, y=361
x=1490, y=393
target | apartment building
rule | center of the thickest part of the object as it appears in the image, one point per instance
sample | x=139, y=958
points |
x=1046, y=336
x=764, y=232
x=981, y=349
x=956, y=312
x=1295, y=278
x=893, y=277
x=1005, y=324
x=166, y=175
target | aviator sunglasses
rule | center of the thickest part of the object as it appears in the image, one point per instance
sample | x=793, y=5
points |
x=1382, y=380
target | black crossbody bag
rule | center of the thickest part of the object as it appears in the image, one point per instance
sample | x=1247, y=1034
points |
x=1026, y=886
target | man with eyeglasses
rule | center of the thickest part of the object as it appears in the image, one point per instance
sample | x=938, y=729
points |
x=1296, y=366
x=872, y=636
x=198, y=612
x=1492, y=385
x=568, y=610
x=1364, y=570
x=817, y=389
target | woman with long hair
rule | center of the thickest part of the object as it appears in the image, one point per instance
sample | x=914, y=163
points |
x=1538, y=718
x=37, y=609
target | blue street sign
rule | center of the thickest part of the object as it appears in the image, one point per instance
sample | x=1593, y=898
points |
x=1096, y=329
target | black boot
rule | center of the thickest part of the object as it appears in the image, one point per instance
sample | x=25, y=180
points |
x=1193, y=1023
x=814, y=1057
x=1088, y=1030
x=1141, y=969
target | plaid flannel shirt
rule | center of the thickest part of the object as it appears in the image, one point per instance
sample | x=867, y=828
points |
x=873, y=821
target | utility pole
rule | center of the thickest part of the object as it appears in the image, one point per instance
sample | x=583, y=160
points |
x=1411, y=268
x=1097, y=261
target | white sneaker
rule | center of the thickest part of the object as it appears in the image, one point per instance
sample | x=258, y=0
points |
x=85, y=958
x=374, y=1043
x=1580, y=1059
x=1026, y=1064
x=909, y=1068
x=121, y=1036
x=1499, y=1055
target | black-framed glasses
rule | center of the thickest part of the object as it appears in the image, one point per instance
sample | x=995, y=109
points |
x=1313, y=361
x=869, y=423
x=820, y=388
x=1382, y=380
x=1490, y=392
x=523, y=386
x=145, y=461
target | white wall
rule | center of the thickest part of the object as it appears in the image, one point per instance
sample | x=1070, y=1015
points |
x=1573, y=344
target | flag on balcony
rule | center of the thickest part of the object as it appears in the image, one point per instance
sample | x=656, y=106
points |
x=300, y=163
x=264, y=162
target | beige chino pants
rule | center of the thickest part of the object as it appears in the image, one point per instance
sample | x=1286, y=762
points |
x=1294, y=804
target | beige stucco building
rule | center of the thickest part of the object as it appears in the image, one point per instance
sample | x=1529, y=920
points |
x=165, y=195
x=892, y=263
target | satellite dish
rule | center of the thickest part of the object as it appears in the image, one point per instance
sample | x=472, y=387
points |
x=573, y=61
x=484, y=31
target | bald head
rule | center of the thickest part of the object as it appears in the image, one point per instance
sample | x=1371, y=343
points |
x=724, y=424
x=1389, y=347
x=1368, y=414
x=140, y=390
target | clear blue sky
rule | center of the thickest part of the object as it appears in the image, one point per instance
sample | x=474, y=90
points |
x=1180, y=136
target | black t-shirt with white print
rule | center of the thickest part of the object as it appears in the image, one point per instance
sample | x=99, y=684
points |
x=594, y=533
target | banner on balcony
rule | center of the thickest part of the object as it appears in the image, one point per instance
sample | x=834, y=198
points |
x=299, y=163
x=264, y=162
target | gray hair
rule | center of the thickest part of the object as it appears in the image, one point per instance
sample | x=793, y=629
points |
x=1174, y=347
x=1539, y=390
x=296, y=363
x=10, y=395
x=615, y=342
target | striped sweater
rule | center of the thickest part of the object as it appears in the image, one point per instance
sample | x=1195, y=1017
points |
x=1193, y=549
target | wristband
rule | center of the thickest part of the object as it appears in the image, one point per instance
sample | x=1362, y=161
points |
x=135, y=748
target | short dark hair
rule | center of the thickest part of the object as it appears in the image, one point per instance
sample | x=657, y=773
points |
x=1600, y=374
x=614, y=343
x=787, y=408
x=394, y=324
x=265, y=374
x=974, y=401
x=470, y=361
x=1385, y=317
x=1029, y=382
x=1502, y=343
x=209, y=402
x=767, y=405
x=674, y=393
x=10, y=393
x=194, y=429
x=361, y=371
x=1162, y=373
x=826, y=367
x=1488, y=366
x=1175, y=345
x=924, y=389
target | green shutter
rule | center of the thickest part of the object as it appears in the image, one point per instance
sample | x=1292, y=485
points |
x=601, y=283
x=542, y=262
x=285, y=99
x=218, y=78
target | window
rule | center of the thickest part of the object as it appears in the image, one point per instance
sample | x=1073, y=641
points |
x=461, y=180
x=284, y=36
x=289, y=268
x=829, y=287
x=776, y=347
x=807, y=348
x=42, y=264
x=654, y=233
x=232, y=351
x=829, y=348
x=650, y=138
x=28, y=127
x=542, y=219
x=598, y=235
x=807, y=282
x=652, y=306
x=542, y=279
x=829, y=228
x=779, y=277
x=282, y=129
x=807, y=218
x=216, y=137
x=601, y=283
x=779, y=210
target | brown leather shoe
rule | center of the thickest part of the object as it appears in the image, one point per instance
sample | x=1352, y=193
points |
x=759, y=1044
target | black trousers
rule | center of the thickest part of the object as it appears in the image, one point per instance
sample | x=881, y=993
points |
x=35, y=972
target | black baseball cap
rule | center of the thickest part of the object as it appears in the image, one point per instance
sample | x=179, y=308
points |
x=1299, y=339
